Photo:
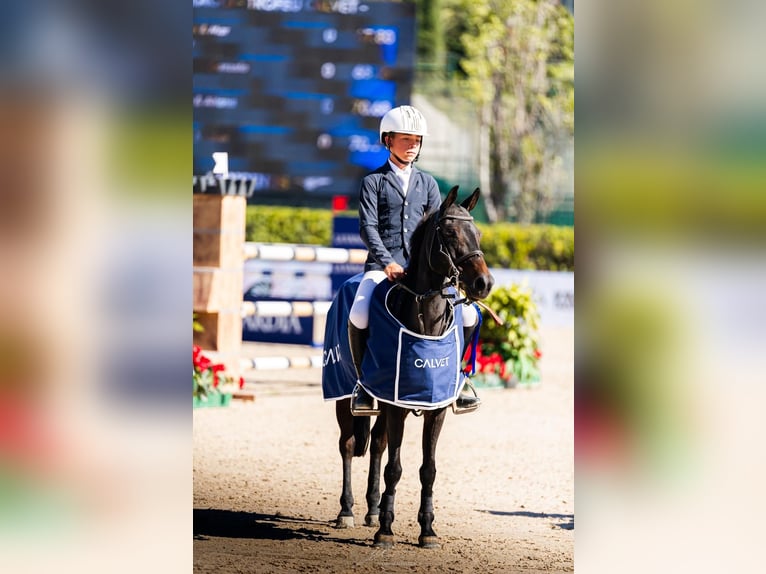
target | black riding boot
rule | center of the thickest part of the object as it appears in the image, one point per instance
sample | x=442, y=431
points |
x=362, y=404
x=466, y=403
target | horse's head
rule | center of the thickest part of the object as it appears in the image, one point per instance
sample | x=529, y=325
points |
x=453, y=243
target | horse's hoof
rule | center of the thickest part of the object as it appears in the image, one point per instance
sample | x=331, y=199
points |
x=428, y=542
x=371, y=520
x=344, y=522
x=384, y=541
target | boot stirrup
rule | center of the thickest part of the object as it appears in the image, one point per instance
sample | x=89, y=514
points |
x=463, y=410
x=357, y=412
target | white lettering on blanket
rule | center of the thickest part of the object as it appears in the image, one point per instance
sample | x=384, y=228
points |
x=431, y=363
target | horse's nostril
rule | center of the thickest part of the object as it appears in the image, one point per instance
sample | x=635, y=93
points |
x=483, y=283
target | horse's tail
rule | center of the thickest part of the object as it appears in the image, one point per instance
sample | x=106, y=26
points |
x=361, y=435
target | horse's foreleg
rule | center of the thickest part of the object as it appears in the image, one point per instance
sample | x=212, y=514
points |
x=378, y=444
x=384, y=537
x=432, y=426
x=346, y=445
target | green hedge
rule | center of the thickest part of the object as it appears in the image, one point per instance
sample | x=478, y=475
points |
x=542, y=247
x=269, y=224
x=505, y=245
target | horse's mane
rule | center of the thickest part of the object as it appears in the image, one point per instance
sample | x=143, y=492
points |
x=419, y=235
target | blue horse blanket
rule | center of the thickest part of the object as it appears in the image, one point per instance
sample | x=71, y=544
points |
x=338, y=372
x=400, y=366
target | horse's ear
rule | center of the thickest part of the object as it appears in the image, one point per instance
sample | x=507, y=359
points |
x=470, y=202
x=450, y=199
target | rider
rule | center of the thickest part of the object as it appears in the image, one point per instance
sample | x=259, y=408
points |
x=392, y=201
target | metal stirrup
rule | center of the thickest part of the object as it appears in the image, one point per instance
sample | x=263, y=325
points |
x=462, y=411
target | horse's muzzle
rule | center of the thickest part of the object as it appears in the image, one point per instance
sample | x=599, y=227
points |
x=481, y=286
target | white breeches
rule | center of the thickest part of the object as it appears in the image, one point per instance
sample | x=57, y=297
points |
x=470, y=316
x=359, y=314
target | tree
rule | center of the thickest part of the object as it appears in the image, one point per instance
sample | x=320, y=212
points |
x=518, y=61
x=431, y=40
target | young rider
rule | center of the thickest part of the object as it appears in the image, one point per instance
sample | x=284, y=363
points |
x=392, y=201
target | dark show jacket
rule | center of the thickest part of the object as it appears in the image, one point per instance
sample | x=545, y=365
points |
x=387, y=218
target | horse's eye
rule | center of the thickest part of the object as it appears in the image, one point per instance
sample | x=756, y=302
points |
x=450, y=231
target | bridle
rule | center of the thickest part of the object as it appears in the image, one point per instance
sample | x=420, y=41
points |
x=435, y=233
x=452, y=277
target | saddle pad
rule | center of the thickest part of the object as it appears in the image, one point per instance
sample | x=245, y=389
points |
x=408, y=369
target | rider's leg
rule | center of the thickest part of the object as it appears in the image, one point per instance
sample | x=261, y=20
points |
x=466, y=403
x=358, y=332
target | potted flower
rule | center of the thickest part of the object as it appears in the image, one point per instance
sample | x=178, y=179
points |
x=507, y=355
x=212, y=386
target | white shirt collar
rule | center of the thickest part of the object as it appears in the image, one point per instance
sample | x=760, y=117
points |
x=399, y=171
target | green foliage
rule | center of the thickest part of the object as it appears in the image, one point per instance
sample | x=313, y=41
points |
x=505, y=245
x=517, y=340
x=540, y=247
x=270, y=224
x=431, y=40
x=518, y=67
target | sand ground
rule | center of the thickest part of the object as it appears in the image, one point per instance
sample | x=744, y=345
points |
x=267, y=479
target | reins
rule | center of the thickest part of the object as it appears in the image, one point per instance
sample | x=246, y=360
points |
x=421, y=297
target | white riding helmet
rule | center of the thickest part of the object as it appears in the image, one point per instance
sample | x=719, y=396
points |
x=403, y=120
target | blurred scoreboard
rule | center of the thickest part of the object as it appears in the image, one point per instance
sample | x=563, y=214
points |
x=288, y=94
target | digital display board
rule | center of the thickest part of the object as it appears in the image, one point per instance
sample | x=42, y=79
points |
x=288, y=94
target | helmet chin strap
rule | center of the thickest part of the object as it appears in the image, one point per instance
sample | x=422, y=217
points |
x=400, y=160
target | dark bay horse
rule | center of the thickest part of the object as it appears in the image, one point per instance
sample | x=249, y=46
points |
x=445, y=252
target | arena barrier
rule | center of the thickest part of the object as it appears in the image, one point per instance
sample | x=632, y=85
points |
x=554, y=290
x=279, y=363
x=285, y=308
x=303, y=253
x=275, y=363
x=288, y=289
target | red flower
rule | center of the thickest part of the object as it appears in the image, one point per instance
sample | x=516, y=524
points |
x=203, y=365
x=202, y=362
x=538, y=354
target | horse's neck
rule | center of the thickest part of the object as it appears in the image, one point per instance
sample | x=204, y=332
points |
x=430, y=316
